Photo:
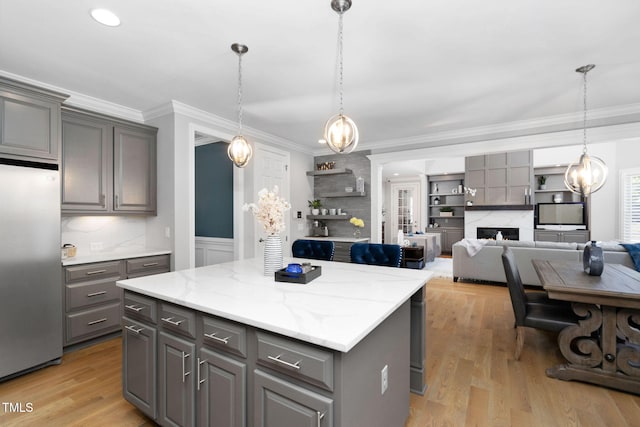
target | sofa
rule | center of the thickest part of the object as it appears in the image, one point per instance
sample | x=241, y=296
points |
x=479, y=259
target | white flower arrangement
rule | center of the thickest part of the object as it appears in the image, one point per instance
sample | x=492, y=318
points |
x=470, y=191
x=269, y=211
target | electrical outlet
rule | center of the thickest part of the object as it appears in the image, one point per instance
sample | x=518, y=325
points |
x=384, y=379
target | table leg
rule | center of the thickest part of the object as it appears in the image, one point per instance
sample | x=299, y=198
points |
x=603, y=349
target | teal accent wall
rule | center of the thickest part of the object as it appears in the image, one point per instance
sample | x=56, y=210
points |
x=214, y=191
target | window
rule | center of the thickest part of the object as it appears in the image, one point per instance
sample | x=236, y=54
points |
x=630, y=195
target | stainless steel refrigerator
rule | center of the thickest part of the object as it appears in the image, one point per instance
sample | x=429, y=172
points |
x=30, y=267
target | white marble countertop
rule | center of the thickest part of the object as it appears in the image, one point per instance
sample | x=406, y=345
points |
x=110, y=256
x=338, y=239
x=336, y=310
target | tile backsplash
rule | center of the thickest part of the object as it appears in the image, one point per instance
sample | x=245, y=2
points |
x=91, y=234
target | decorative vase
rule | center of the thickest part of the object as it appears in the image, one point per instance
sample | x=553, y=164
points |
x=272, y=254
x=356, y=233
x=593, y=259
x=315, y=211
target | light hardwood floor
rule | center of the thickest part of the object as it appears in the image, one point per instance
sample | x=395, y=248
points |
x=471, y=375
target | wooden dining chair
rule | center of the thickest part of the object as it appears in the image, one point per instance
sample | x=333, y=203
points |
x=533, y=309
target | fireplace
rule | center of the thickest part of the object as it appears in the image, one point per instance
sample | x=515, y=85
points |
x=508, y=233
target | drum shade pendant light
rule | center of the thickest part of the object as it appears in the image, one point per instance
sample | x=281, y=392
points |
x=239, y=150
x=588, y=173
x=340, y=132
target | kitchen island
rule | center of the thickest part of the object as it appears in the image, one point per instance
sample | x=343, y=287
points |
x=226, y=342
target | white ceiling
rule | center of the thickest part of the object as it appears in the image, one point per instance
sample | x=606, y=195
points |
x=413, y=70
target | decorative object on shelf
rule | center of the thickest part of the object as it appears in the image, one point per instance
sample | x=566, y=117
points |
x=588, y=173
x=340, y=132
x=469, y=203
x=360, y=184
x=315, y=206
x=436, y=201
x=527, y=196
x=542, y=182
x=460, y=188
x=593, y=259
x=435, y=187
x=358, y=224
x=470, y=191
x=239, y=150
x=269, y=212
x=557, y=198
x=326, y=166
x=446, y=211
x=348, y=189
x=499, y=235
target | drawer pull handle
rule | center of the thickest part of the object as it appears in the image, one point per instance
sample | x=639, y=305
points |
x=150, y=264
x=95, y=322
x=134, y=308
x=200, y=381
x=284, y=362
x=184, y=374
x=133, y=329
x=319, y=416
x=89, y=273
x=214, y=337
x=95, y=294
x=171, y=321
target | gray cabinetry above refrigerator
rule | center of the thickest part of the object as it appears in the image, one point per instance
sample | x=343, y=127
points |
x=108, y=165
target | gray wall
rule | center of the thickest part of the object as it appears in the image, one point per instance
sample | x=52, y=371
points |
x=359, y=207
x=214, y=191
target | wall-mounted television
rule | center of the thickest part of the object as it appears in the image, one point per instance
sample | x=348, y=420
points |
x=570, y=214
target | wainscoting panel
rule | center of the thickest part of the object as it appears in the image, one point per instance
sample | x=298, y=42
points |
x=213, y=250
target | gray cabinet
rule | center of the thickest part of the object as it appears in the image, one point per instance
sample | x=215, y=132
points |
x=139, y=363
x=176, y=376
x=500, y=178
x=29, y=121
x=447, y=190
x=279, y=403
x=108, y=165
x=577, y=236
x=448, y=236
x=342, y=251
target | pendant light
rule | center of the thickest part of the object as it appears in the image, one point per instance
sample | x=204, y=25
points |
x=588, y=173
x=340, y=132
x=239, y=150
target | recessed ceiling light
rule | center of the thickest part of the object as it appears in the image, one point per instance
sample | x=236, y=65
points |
x=396, y=174
x=105, y=17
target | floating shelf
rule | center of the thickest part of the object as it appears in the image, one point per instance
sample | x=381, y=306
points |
x=344, y=194
x=341, y=171
x=345, y=217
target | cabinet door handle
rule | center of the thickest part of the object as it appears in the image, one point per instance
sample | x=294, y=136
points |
x=89, y=273
x=134, y=308
x=95, y=294
x=184, y=374
x=200, y=381
x=171, y=321
x=133, y=329
x=214, y=337
x=95, y=322
x=284, y=362
x=319, y=416
x=150, y=264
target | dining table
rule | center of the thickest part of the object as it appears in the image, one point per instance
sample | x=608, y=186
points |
x=604, y=347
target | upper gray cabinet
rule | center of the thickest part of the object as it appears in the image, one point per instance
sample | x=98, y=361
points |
x=29, y=122
x=108, y=166
x=500, y=178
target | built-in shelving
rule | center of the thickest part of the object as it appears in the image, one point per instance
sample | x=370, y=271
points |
x=343, y=194
x=340, y=171
x=323, y=217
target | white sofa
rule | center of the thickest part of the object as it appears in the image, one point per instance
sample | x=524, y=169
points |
x=486, y=264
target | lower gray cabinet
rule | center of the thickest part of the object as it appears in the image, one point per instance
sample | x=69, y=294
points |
x=221, y=388
x=139, y=365
x=280, y=403
x=176, y=376
x=448, y=236
x=570, y=236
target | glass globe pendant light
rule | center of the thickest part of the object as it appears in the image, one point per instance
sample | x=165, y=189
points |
x=588, y=173
x=340, y=132
x=239, y=150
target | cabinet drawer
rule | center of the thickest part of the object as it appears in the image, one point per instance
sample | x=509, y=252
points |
x=93, y=271
x=81, y=295
x=93, y=322
x=178, y=319
x=224, y=335
x=152, y=264
x=140, y=307
x=296, y=359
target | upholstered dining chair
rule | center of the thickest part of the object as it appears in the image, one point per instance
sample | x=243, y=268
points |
x=533, y=309
x=313, y=249
x=376, y=254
